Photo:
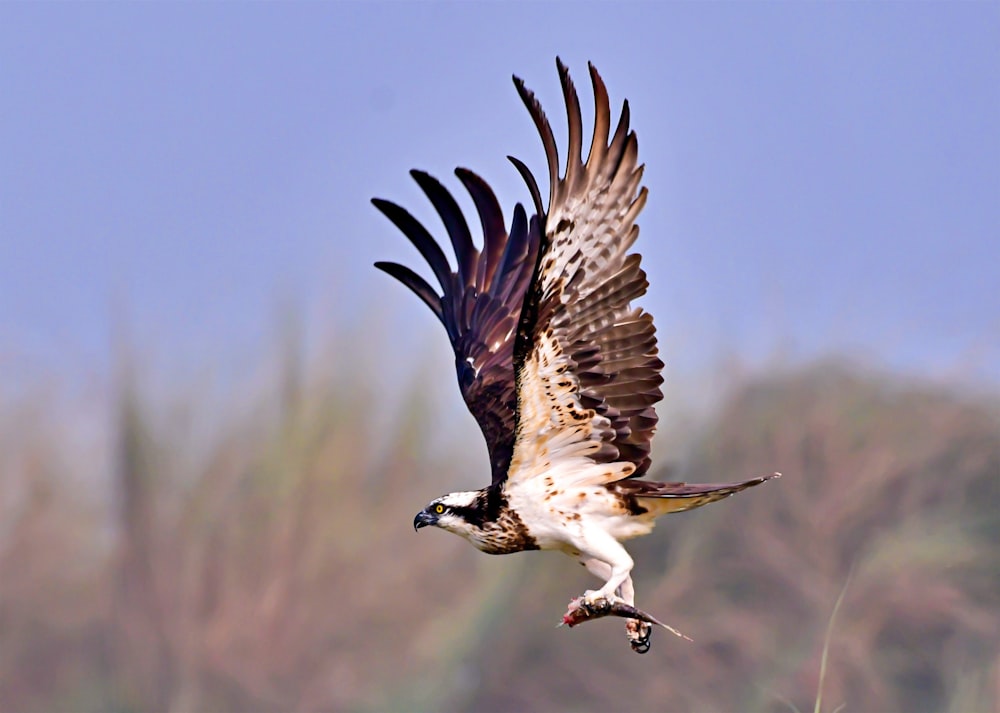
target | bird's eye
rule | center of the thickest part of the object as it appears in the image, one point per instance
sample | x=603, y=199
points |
x=439, y=508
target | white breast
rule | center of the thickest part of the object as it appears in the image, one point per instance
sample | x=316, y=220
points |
x=558, y=517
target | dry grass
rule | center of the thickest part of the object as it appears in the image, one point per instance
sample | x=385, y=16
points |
x=274, y=566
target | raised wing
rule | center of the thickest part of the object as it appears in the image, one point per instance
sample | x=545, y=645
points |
x=586, y=362
x=481, y=299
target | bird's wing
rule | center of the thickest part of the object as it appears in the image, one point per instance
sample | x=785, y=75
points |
x=481, y=299
x=585, y=359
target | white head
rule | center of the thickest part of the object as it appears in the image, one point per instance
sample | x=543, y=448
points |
x=462, y=513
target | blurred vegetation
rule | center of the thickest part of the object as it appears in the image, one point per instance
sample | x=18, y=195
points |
x=268, y=562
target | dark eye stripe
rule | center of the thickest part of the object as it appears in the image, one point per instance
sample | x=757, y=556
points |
x=472, y=515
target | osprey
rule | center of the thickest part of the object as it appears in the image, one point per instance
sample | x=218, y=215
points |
x=559, y=369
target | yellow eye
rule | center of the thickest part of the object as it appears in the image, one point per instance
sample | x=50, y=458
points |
x=439, y=508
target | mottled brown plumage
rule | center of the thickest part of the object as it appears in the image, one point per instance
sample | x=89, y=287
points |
x=586, y=280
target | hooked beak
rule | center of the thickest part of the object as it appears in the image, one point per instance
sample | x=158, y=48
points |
x=423, y=519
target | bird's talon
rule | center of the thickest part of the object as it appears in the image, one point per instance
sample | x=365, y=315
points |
x=638, y=634
x=597, y=600
x=640, y=646
x=594, y=607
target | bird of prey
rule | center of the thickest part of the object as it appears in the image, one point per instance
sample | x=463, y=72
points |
x=558, y=367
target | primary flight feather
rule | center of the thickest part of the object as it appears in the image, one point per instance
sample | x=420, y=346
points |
x=558, y=367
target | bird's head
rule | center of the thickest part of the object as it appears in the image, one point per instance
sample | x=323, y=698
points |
x=461, y=513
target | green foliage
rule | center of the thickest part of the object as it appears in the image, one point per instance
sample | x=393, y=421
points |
x=274, y=566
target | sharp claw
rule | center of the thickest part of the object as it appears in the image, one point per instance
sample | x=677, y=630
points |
x=597, y=607
x=639, y=634
x=640, y=646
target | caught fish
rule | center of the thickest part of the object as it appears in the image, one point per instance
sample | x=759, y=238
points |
x=579, y=612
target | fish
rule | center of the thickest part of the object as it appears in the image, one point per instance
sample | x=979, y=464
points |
x=579, y=612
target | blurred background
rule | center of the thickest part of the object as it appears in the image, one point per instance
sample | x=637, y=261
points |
x=217, y=420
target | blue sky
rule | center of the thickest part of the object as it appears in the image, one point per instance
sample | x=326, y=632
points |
x=823, y=177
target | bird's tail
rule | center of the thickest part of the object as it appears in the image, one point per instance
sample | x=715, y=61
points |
x=662, y=498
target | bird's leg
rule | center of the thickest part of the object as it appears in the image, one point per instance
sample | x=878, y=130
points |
x=601, y=570
x=608, y=551
x=637, y=631
x=604, y=557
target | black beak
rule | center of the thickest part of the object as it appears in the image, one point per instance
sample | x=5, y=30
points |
x=423, y=519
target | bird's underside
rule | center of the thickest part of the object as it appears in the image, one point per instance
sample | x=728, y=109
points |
x=553, y=360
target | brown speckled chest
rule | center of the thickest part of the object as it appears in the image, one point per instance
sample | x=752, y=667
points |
x=503, y=535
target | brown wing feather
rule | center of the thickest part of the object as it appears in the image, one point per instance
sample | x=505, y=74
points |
x=481, y=299
x=586, y=360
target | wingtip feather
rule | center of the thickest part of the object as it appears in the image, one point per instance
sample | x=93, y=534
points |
x=529, y=179
x=417, y=234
